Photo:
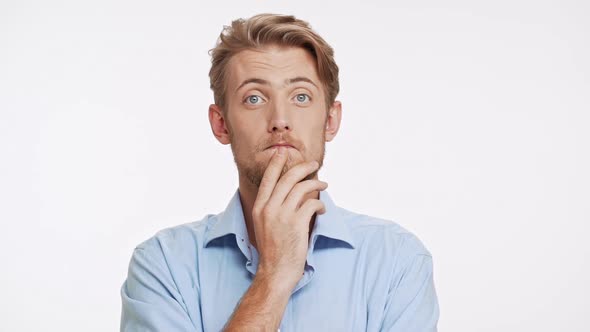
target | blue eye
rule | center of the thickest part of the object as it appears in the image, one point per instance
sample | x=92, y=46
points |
x=302, y=98
x=253, y=99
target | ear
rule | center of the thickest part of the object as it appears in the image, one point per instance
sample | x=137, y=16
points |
x=218, y=124
x=333, y=120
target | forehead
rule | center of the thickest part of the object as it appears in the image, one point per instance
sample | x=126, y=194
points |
x=273, y=64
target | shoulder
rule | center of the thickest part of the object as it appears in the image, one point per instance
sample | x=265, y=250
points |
x=383, y=236
x=178, y=241
x=390, y=253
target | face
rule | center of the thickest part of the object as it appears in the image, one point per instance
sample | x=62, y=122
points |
x=274, y=98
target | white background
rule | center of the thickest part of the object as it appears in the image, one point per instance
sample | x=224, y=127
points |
x=466, y=122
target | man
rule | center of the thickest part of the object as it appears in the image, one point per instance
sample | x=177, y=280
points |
x=281, y=255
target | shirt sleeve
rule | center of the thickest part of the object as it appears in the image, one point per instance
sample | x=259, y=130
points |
x=151, y=299
x=412, y=304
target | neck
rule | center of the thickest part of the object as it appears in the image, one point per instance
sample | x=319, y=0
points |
x=248, y=193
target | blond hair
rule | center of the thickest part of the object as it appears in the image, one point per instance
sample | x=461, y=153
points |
x=271, y=30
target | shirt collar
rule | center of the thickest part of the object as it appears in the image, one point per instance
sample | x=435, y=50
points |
x=230, y=221
x=331, y=224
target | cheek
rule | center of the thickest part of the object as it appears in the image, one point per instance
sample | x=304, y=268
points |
x=311, y=130
x=243, y=130
x=248, y=120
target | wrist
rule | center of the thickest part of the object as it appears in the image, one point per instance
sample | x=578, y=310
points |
x=276, y=281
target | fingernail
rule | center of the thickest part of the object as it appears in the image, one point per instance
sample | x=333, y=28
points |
x=280, y=150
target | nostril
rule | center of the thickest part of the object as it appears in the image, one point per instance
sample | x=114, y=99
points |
x=277, y=128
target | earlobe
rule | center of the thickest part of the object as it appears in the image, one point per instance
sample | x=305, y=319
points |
x=333, y=120
x=218, y=124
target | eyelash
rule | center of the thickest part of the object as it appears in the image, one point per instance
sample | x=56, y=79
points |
x=246, y=100
x=303, y=94
x=250, y=96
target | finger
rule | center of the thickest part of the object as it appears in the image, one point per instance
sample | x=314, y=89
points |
x=296, y=196
x=310, y=207
x=271, y=176
x=289, y=180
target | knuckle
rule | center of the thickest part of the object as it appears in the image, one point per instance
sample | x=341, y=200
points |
x=319, y=184
x=266, y=212
x=312, y=203
x=319, y=205
x=256, y=211
x=300, y=169
x=315, y=185
x=295, y=173
x=306, y=186
x=299, y=188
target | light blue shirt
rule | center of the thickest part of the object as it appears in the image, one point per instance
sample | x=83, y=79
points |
x=361, y=274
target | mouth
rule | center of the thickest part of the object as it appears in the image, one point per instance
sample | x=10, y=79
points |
x=276, y=146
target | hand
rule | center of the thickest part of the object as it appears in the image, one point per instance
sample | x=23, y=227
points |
x=281, y=216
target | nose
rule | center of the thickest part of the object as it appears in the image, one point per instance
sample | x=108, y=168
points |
x=279, y=121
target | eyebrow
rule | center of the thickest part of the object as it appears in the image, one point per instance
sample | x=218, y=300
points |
x=253, y=80
x=287, y=81
x=301, y=79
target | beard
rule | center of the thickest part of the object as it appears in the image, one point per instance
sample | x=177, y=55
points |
x=253, y=170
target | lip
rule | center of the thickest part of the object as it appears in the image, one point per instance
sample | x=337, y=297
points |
x=281, y=144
